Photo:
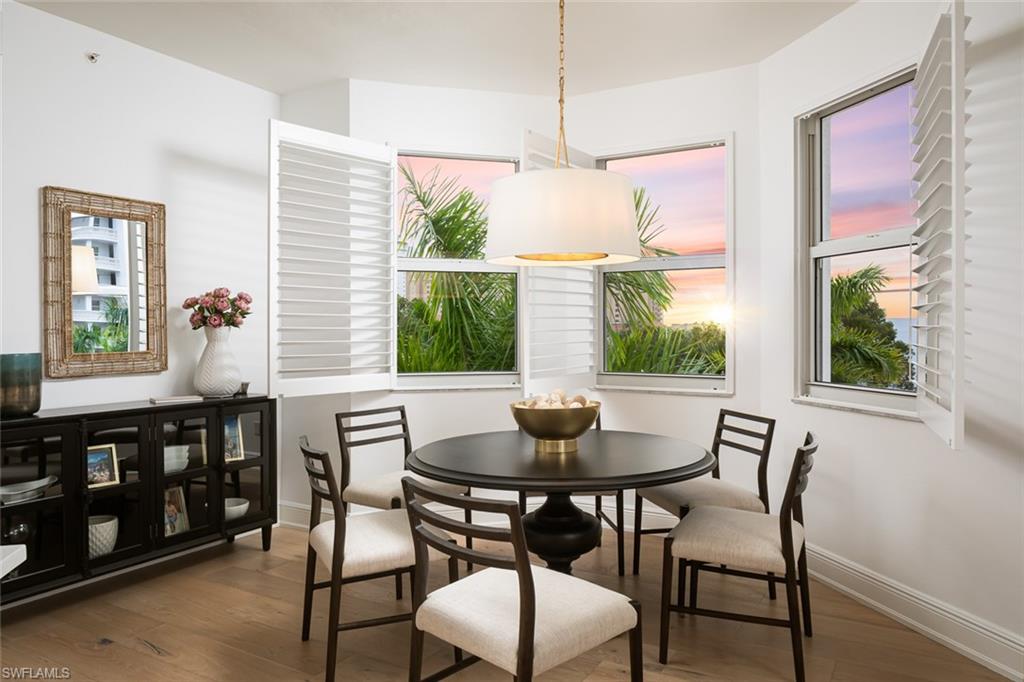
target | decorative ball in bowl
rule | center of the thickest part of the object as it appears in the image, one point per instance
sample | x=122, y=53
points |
x=556, y=421
x=235, y=508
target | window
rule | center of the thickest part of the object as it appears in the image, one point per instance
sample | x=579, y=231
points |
x=667, y=317
x=860, y=209
x=457, y=315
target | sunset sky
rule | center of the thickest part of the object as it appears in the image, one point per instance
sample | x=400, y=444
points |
x=689, y=186
x=870, y=165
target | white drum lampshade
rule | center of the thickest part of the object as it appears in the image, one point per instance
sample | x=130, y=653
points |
x=83, y=270
x=562, y=216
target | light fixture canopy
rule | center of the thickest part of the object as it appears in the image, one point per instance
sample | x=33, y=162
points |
x=562, y=216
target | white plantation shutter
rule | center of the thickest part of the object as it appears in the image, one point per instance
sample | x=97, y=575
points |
x=560, y=325
x=331, y=262
x=940, y=143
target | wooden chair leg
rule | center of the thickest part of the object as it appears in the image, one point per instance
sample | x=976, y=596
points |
x=416, y=654
x=469, y=541
x=805, y=591
x=794, y=626
x=597, y=513
x=681, y=584
x=332, y=624
x=771, y=586
x=694, y=574
x=636, y=647
x=666, y=593
x=638, y=527
x=307, y=599
x=620, y=532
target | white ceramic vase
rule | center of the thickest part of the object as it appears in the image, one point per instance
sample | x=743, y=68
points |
x=217, y=373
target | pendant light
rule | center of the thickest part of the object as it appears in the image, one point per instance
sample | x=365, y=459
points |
x=562, y=216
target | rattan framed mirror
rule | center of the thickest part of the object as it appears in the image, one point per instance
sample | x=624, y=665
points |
x=104, y=284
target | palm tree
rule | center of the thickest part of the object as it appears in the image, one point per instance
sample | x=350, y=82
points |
x=636, y=295
x=467, y=321
x=864, y=349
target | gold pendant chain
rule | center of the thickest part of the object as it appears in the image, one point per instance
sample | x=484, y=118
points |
x=560, y=144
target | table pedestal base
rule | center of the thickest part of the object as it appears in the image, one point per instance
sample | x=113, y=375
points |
x=559, y=532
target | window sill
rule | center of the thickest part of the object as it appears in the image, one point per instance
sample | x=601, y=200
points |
x=442, y=388
x=892, y=413
x=666, y=391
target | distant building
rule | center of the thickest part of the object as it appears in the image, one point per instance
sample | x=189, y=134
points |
x=112, y=241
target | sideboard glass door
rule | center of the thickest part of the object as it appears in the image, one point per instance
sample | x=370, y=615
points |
x=36, y=505
x=247, y=441
x=188, y=492
x=118, y=473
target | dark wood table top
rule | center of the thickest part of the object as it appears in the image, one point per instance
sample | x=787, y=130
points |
x=606, y=460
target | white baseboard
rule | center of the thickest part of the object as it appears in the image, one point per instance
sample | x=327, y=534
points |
x=990, y=645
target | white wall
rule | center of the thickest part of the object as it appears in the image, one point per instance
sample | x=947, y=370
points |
x=142, y=125
x=885, y=494
x=324, y=107
x=447, y=120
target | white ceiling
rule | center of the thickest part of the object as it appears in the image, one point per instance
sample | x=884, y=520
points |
x=505, y=46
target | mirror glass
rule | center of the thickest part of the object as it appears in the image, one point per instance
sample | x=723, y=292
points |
x=108, y=284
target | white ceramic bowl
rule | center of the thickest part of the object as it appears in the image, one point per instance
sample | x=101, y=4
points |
x=235, y=508
x=29, y=490
x=175, y=458
x=102, y=535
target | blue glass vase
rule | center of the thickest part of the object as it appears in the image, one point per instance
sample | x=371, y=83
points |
x=20, y=378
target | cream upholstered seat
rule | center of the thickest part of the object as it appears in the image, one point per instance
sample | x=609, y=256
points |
x=739, y=539
x=375, y=542
x=480, y=614
x=380, y=491
x=702, y=492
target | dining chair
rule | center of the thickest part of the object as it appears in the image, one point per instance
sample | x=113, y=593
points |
x=521, y=618
x=678, y=498
x=618, y=525
x=362, y=547
x=747, y=544
x=383, y=491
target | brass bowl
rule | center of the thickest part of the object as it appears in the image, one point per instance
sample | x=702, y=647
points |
x=556, y=429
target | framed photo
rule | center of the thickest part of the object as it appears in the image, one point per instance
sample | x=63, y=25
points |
x=101, y=466
x=234, y=449
x=175, y=512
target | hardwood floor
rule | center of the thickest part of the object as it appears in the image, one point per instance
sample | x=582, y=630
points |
x=233, y=612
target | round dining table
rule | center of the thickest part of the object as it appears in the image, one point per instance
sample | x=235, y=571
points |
x=558, y=531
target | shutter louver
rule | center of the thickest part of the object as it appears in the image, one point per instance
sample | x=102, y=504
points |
x=332, y=262
x=939, y=140
x=560, y=324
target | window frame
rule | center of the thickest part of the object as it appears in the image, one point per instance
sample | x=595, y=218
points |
x=677, y=383
x=434, y=381
x=810, y=248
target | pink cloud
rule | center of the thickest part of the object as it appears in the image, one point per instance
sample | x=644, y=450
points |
x=689, y=187
x=473, y=174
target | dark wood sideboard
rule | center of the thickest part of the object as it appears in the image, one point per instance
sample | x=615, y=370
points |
x=230, y=447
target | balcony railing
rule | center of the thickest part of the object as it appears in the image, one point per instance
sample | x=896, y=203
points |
x=102, y=234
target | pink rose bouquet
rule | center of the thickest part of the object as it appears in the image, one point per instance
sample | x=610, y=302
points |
x=218, y=308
